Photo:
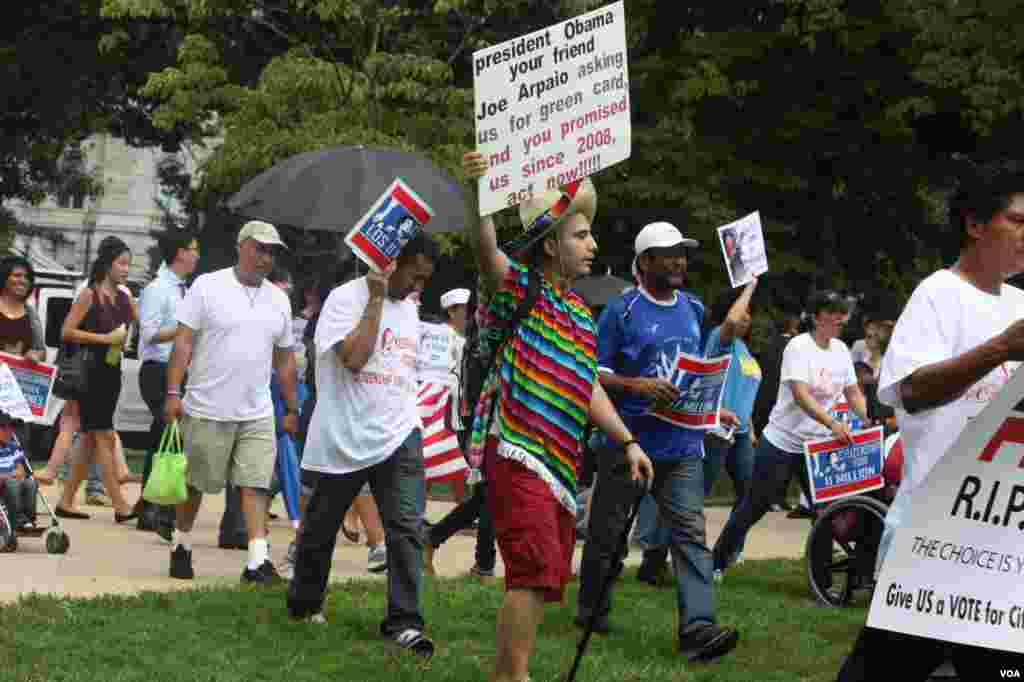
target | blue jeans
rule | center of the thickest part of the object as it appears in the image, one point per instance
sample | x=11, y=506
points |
x=678, y=492
x=739, y=463
x=650, y=533
x=773, y=469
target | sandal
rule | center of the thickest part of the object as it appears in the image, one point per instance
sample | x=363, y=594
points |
x=69, y=514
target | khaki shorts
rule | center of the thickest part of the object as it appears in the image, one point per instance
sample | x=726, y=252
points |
x=242, y=452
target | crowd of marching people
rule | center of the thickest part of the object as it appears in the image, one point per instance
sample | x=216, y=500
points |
x=536, y=390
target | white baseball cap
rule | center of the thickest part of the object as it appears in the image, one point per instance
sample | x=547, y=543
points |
x=660, y=235
x=455, y=297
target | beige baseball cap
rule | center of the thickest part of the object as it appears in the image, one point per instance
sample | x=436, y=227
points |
x=264, y=233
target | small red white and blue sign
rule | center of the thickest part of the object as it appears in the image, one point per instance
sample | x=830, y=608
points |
x=838, y=469
x=387, y=227
x=700, y=382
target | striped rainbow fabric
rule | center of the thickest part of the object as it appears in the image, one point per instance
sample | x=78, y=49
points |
x=547, y=376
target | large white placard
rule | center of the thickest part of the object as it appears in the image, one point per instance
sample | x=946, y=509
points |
x=955, y=570
x=552, y=106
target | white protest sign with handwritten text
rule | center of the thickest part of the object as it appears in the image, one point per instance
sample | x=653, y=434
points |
x=552, y=107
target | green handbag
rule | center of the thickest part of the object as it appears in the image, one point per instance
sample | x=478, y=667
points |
x=167, y=480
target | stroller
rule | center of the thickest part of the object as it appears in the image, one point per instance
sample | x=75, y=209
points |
x=57, y=540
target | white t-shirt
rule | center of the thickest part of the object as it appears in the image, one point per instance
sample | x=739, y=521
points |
x=236, y=329
x=362, y=417
x=827, y=374
x=859, y=351
x=944, y=318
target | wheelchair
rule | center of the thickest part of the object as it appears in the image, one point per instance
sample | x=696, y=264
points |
x=843, y=543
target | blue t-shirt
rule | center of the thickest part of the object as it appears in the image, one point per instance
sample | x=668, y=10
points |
x=11, y=455
x=638, y=336
x=741, y=382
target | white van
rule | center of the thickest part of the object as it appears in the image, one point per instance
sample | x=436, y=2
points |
x=52, y=297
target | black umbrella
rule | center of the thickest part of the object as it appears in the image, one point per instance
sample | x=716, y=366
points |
x=598, y=290
x=331, y=189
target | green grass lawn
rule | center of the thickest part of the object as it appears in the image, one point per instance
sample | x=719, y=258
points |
x=244, y=634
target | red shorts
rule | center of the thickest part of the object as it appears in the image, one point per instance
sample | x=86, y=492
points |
x=535, y=533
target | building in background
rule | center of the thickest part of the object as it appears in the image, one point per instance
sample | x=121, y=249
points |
x=67, y=228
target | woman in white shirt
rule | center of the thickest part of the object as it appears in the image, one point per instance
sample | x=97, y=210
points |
x=817, y=374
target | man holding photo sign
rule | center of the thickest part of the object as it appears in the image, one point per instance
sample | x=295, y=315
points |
x=641, y=337
x=958, y=341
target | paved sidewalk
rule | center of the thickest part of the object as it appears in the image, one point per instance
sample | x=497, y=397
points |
x=107, y=558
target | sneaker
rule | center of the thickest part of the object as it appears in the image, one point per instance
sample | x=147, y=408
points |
x=181, y=564
x=265, y=575
x=415, y=641
x=707, y=643
x=317, y=618
x=377, y=561
x=428, y=559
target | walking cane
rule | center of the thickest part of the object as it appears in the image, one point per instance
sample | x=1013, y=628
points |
x=612, y=575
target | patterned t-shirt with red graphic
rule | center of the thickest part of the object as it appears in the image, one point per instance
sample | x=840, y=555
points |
x=827, y=374
x=362, y=417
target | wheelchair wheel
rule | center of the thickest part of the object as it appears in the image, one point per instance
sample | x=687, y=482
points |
x=57, y=541
x=842, y=547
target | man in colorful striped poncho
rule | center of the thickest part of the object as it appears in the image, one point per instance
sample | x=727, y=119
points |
x=536, y=401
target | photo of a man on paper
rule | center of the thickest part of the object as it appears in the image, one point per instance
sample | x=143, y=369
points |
x=744, y=249
x=734, y=257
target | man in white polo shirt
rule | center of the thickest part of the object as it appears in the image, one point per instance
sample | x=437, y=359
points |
x=233, y=326
x=366, y=427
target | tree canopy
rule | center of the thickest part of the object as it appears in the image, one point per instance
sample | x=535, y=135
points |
x=843, y=123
